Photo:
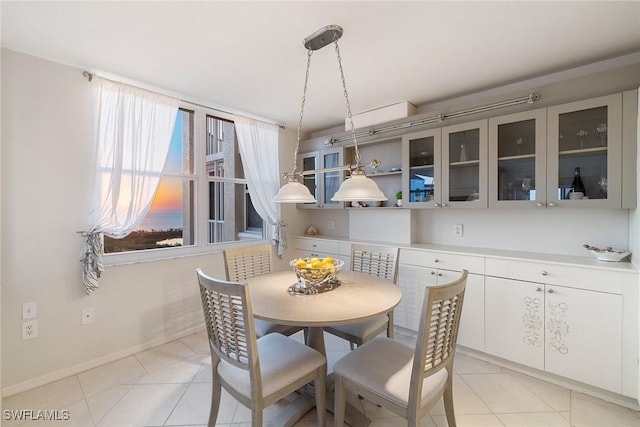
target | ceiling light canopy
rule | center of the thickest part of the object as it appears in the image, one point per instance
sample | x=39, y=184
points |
x=355, y=188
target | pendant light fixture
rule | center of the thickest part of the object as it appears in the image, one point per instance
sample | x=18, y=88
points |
x=355, y=188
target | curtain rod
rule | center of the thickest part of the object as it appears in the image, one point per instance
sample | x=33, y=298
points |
x=530, y=99
x=89, y=76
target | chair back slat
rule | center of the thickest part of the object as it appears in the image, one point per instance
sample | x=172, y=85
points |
x=380, y=261
x=246, y=262
x=438, y=331
x=227, y=314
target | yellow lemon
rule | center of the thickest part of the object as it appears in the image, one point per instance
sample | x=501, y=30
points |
x=316, y=264
x=312, y=260
x=328, y=260
x=301, y=263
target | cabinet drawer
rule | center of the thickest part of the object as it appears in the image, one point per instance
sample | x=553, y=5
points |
x=576, y=277
x=326, y=246
x=444, y=261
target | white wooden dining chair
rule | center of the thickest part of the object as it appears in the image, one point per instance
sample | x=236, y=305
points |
x=250, y=261
x=380, y=261
x=257, y=372
x=408, y=381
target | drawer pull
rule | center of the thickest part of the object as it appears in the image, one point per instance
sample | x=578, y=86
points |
x=437, y=205
x=540, y=204
x=433, y=273
x=550, y=291
x=551, y=205
x=544, y=273
x=538, y=289
x=440, y=274
x=436, y=260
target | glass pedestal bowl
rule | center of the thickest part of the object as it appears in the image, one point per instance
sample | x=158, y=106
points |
x=315, y=275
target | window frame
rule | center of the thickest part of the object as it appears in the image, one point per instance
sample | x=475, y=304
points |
x=200, y=204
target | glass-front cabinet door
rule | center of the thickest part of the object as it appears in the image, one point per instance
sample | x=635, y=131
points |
x=421, y=165
x=517, y=160
x=308, y=162
x=585, y=153
x=331, y=180
x=464, y=165
x=323, y=185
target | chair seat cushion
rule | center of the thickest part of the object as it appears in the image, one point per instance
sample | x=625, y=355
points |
x=363, y=329
x=283, y=360
x=383, y=366
x=264, y=327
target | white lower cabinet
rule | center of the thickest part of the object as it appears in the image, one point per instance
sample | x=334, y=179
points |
x=574, y=333
x=414, y=279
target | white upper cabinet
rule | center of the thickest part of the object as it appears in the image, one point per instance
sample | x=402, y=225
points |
x=517, y=160
x=522, y=160
x=585, y=138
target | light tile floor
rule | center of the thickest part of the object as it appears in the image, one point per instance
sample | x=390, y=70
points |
x=171, y=386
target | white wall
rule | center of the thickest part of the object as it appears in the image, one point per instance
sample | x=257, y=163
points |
x=46, y=182
x=558, y=231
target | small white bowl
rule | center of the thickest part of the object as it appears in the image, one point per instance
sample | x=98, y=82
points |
x=610, y=256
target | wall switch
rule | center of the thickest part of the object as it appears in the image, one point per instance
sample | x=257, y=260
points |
x=29, y=329
x=29, y=310
x=88, y=315
x=457, y=230
x=331, y=225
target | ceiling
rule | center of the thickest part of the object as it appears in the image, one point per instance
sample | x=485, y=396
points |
x=248, y=57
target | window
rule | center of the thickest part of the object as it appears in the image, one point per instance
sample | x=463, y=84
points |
x=230, y=206
x=172, y=220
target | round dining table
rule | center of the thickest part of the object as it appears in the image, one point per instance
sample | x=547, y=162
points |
x=359, y=297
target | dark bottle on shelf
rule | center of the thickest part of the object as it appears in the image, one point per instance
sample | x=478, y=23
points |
x=577, y=186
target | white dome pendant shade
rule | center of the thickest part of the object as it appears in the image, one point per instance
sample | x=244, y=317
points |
x=294, y=192
x=359, y=188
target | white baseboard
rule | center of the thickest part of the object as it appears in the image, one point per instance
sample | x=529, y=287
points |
x=94, y=363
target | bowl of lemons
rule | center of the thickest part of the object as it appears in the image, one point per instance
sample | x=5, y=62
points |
x=315, y=274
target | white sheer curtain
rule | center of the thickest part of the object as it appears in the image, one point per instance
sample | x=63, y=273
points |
x=134, y=130
x=258, y=144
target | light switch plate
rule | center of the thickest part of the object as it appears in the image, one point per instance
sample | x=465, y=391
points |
x=29, y=310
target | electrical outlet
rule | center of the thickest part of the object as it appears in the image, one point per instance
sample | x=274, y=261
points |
x=88, y=315
x=29, y=310
x=457, y=230
x=331, y=225
x=29, y=329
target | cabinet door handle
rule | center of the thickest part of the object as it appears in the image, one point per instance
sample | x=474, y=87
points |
x=538, y=289
x=544, y=273
x=437, y=205
x=550, y=291
x=551, y=204
x=540, y=204
x=444, y=205
x=436, y=260
x=433, y=273
x=440, y=274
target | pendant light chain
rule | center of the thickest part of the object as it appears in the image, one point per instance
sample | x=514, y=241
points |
x=346, y=97
x=304, y=98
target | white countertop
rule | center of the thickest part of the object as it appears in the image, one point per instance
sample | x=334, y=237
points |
x=588, y=261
